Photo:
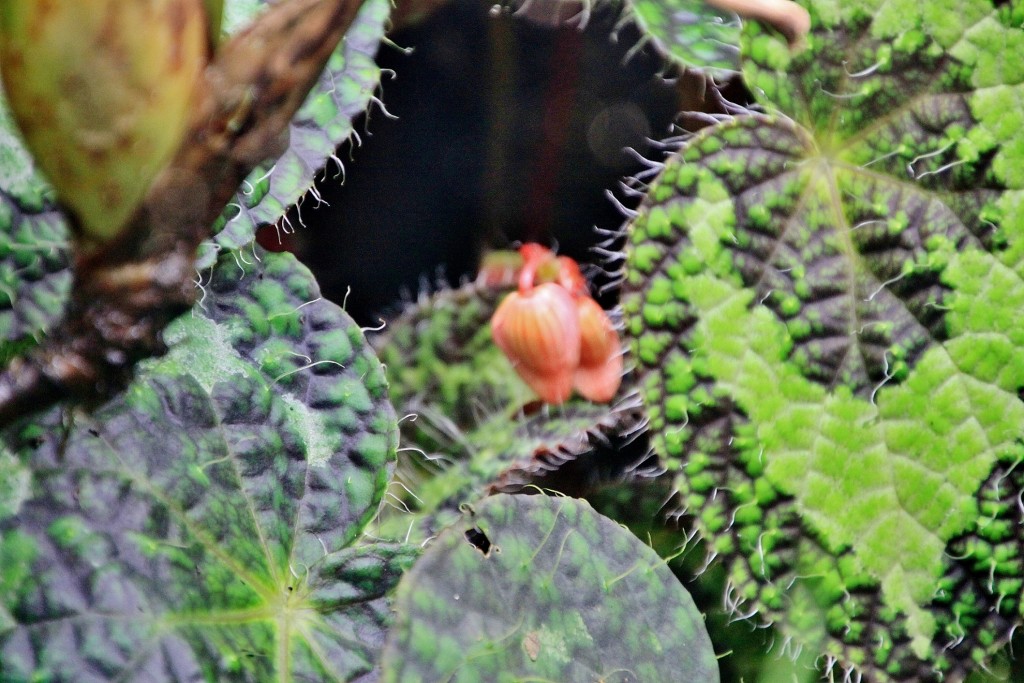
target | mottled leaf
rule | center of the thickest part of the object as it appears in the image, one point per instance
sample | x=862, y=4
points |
x=14, y=484
x=539, y=588
x=691, y=33
x=34, y=252
x=202, y=526
x=345, y=90
x=439, y=350
x=824, y=302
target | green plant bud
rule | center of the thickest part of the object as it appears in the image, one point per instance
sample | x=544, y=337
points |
x=101, y=92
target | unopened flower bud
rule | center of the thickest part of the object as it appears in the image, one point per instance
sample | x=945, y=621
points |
x=535, y=253
x=539, y=331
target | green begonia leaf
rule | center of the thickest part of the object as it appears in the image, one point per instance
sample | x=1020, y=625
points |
x=532, y=588
x=345, y=90
x=34, y=253
x=203, y=525
x=691, y=33
x=824, y=302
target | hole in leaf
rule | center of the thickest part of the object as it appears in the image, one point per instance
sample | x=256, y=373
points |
x=479, y=540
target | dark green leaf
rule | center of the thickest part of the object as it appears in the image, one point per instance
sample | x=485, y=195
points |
x=544, y=589
x=34, y=253
x=439, y=351
x=202, y=526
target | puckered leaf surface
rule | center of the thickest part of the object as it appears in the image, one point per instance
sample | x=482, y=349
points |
x=202, y=526
x=824, y=301
x=34, y=253
x=544, y=589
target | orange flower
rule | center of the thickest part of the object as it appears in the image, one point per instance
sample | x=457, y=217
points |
x=539, y=331
x=600, y=370
x=557, y=337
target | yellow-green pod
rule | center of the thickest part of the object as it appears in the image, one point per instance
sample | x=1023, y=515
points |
x=101, y=92
x=215, y=15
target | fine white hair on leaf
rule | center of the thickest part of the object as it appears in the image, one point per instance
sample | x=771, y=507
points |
x=307, y=366
x=378, y=328
x=622, y=208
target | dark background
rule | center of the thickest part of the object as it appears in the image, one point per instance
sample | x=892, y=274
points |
x=506, y=130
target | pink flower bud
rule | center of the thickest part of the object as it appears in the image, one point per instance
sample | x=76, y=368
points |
x=600, y=365
x=539, y=331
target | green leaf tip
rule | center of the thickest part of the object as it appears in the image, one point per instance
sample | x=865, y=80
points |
x=541, y=588
x=691, y=33
x=345, y=90
x=214, y=19
x=822, y=301
x=197, y=527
